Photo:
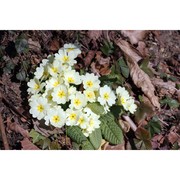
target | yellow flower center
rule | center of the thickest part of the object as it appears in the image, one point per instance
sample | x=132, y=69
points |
x=89, y=83
x=36, y=87
x=65, y=59
x=70, y=49
x=81, y=120
x=72, y=116
x=70, y=80
x=40, y=108
x=106, y=96
x=90, y=95
x=56, y=119
x=123, y=100
x=54, y=69
x=55, y=83
x=61, y=94
x=77, y=102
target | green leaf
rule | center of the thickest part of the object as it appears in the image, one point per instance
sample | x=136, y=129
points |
x=110, y=129
x=143, y=139
x=75, y=133
x=107, y=48
x=124, y=68
x=21, y=76
x=95, y=138
x=75, y=146
x=21, y=45
x=86, y=145
x=172, y=103
x=143, y=145
x=113, y=77
x=145, y=68
x=154, y=126
x=96, y=107
x=36, y=136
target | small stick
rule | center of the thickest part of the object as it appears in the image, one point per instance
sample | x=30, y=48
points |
x=3, y=133
x=131, y=123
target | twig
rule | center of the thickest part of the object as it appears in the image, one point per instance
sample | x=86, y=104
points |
x=3, y=133
x=131, y=123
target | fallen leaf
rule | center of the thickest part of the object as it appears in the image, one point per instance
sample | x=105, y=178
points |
x=88, y=59
x=172, y=137
x=34, y=45
x=140, y=78
x=101, y=66
x=142, y=49
x=134, y=35
x=129, y=50
x=165, y=88
x=13, y=126
x=94, y=34
x=54, y=45
x=28, y=145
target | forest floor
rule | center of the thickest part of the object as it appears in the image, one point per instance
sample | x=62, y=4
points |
x=157, y=53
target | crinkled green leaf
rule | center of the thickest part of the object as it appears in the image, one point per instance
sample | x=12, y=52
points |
x=95, y=138
x=75, y=133
x=96, y=107
x=86, y=145
x=110, y=129
x=124, y=68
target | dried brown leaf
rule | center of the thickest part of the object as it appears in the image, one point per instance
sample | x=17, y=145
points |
x=142, y=49
x=129, y=50
x=101, y=66
x=13, y=126
x=94, y=34
x=89, y=57
x=34, y=45
x=54, y=45
x=165, y=88
x=172, y=137
x=134, y=36
x=140, y=78
x=28, y=145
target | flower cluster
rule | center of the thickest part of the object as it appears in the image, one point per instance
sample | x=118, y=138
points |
x=56, y=98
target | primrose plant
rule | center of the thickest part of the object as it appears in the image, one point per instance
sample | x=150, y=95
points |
x=62, y=97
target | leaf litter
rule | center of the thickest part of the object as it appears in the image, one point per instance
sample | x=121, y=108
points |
x=146, y=61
